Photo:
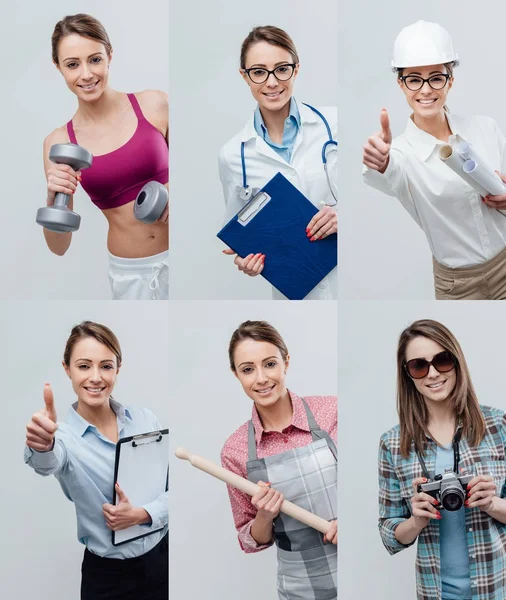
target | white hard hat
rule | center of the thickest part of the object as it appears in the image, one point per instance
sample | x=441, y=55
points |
x=422, y=44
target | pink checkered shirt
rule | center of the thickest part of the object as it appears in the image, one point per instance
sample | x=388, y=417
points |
x=234, y=454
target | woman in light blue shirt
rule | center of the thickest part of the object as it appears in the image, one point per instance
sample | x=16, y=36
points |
x=80, y=453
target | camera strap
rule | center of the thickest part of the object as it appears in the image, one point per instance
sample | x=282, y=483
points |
x=456, y=456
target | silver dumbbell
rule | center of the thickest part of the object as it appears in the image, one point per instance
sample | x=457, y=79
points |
x=59, y=217
x=151, y=202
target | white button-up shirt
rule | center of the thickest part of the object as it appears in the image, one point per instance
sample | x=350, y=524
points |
x=305, y=172
x=460, y=228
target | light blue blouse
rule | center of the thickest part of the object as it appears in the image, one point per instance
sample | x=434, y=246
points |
x=292, y=125
x=82, y=460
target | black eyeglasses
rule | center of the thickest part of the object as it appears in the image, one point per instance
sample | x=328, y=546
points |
x=415, y=83
x=417, y=368
x=261, y=75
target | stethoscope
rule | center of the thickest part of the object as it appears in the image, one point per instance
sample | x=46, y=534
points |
x=246, y=191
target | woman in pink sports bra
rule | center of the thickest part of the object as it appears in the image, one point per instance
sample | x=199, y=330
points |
x=128, y=137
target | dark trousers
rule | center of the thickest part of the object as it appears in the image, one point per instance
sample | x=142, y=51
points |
x=145, y=577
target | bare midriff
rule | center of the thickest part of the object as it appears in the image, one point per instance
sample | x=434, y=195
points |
x=129, y=238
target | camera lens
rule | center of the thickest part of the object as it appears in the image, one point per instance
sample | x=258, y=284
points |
x=452, y=499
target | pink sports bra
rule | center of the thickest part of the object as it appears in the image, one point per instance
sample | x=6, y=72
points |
x=116, y=178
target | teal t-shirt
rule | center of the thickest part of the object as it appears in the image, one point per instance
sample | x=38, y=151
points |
x=455, y=576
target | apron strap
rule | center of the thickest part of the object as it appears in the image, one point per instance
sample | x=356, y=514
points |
x=252, y=445
x=317, y=433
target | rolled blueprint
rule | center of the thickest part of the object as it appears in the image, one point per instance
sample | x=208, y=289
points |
x=248, y=487
x=485, y=177
x=466, y=151
x=456, y=163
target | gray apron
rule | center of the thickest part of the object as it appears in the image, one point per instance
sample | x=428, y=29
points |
x=307, y=476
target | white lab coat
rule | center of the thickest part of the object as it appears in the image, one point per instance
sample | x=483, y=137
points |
x=305, y=172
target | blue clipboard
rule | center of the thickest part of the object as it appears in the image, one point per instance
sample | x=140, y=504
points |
x=274, y=223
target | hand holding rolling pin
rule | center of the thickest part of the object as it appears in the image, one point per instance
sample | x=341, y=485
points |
x=377, y=148
x=267, y=501
x=331, y=535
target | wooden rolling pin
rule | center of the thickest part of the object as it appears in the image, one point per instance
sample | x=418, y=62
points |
x=250, y=488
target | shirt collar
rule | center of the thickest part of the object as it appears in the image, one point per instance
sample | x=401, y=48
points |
x=424, y=143
x=293, y=116
x=299, y=112
x=299, y=417
x=78, y=424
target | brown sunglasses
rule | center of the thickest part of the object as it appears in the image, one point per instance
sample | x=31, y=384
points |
x=417, y=368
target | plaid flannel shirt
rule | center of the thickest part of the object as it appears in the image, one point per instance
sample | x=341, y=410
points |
x=486, y=537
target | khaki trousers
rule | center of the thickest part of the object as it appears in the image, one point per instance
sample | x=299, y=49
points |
x=486, y=281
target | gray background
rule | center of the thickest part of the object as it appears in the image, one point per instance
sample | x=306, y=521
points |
x=210, y=103
x=207, y=406
x=35, y=100
x=368, y=338
x=41, y=556
x=386, y=255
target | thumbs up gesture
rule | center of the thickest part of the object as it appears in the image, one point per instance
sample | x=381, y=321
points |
x=123, y=515
x=42, y=427
x=377, y=148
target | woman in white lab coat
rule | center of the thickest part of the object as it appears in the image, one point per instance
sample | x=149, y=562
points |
x=466, y=235
x=282, y=136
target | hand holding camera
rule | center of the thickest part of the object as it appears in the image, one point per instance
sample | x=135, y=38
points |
x=481, y=491
x=423, y=505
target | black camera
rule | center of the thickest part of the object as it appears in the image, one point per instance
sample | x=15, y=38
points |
x=448, y=489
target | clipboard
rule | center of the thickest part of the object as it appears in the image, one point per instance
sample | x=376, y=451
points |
x=141, y=468
x=274, y=223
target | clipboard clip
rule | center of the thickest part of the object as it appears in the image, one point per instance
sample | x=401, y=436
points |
x=253, y=207
x=146, y=438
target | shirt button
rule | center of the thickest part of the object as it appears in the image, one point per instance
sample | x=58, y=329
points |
x=473, y=556
x=470, y=528
x=474, y=583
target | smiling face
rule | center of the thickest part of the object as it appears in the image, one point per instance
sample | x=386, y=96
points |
x=435, y=386
x=92, y=370
x=426, y=102
x=260, y=368
x=84, y=64
x=272, y=94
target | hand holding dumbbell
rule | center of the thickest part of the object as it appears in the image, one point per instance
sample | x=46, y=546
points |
x=151, y=202
x=59, y=217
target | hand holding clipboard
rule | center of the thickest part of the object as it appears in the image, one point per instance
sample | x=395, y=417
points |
x=123, y=514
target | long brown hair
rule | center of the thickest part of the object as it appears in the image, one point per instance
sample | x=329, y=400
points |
x=81, y=24
x=272, y=35
x=89, y=329
x=412, y=409
x=260, y=331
